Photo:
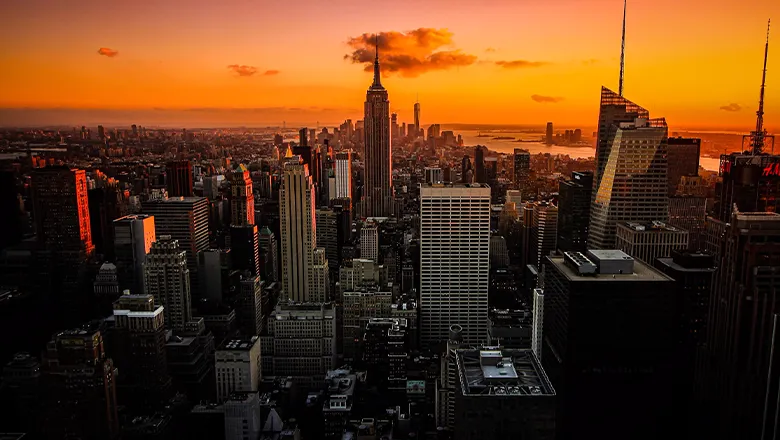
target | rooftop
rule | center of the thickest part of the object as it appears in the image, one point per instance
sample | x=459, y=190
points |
x=240, y=344
x=641, y=272
x=656, y=226
x=454, y=185
x=492, y=371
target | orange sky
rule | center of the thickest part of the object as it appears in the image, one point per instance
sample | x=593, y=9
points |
x=470, y=62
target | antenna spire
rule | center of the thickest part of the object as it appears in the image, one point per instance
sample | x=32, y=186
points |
x=622, y=50
x=759, y=134
x=377, y=79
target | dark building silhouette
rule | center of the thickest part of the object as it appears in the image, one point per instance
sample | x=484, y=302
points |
x=480, y=174
x=609, y=334
x=465, y=169
x=739, y=381
x=549, y=135
x=178, y=176
x=105, y=205
x=522, y=168
x=574, y=197
x=10, y=221
x=752, y=182
x=245, y=248
x=683, y=159
x=303, y=135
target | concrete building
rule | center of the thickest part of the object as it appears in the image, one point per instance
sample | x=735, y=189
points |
x=242, y=416
x=167, y=279
x=133, y=237
x=360, y=306
x=385, y=351
x=106, y=283
x=648, y=241
x=238, y=367
x=344, y=175
x=683, y=158
x=369, y=241
x=574, y=197
x=509, y=328
x=454, y=261
x=242, y=200
x=214, y=272
x=248, y=305
x=544, y=231
x=378, y=186
x=522, y=168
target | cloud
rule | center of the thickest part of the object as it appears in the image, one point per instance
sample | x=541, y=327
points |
x=111, y=53
x=410, y=53
x=733, y=107
x=546, y=99
x=242, y=70
x=520, y=64
x=490, y=50
x=270, y=72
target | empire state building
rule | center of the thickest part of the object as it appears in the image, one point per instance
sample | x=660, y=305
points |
x=378, y=194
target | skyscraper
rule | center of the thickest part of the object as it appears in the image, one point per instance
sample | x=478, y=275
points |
x=303, y=135
x=633, y=186
x=245, y=248
x=454, y=260
x=574, y=197
x=683, y=159
x=648, y=241
x=299, y=232
x=344, y=175
x=133, y=237
x=465, y=169
x=238, y=366
x=522, y=162
x=178, y=175
x=377, y=194
x=394, y=129
x=369, y=242
x=61, y=210
x=545, y=231
x=549, y=134
x=269, y=246
x=242, y=201
x=741, y=375
x=10, y=214
x=417, y=126
x=167, y=278
x=480, y=176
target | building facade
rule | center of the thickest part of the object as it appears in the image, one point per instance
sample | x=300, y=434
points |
x=167, y=279
x=238, y=367
x=377, y=193
x=133, y=237
x=574, y=197
x=648, y=241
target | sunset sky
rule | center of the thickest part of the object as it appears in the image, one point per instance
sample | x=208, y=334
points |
x=698, y=63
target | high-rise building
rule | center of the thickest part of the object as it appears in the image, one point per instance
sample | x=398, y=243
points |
x=178, y=175
x=214, y=271
x=242, y=416
x=377, y=193
x=106, y=282
x=248, y=305
x=238, y=366
x=167, y=278
x=689, y=213
x=10, y=213
x=80, y=384
x=61, y=210
x=369, y=241
x=648, y=241
x=138, y=350
x=545, y=231
x=499, y=253
x=299, y=233
x=448, y=380
x=133, y=237
x=465, y=169
x=683, y=159
x=269, y=246
x=359, y=306
x=454, y=261
x=740, y=376
x=549, y=136
x=633, y=186
x=105, y=205
x=242, y=201
x=344, y=175
x=574, y=197
x=417, y=126
x=328, y=237
x=480, y=175
x=503, y=393
x=752, y=182
x=596, y=306
x=384, y=345
x=245, y=248
x=522, y=170
x=537, y=331
x=433, y=175
x=394, y=129
x=303, y=137
x=185, y=219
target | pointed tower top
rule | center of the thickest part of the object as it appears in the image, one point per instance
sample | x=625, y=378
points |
x=377, y=76
x=757, y=141
x=622, y=50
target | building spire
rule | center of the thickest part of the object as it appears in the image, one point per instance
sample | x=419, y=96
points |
x=377, y=77
x=760, y=133
x=622, y=50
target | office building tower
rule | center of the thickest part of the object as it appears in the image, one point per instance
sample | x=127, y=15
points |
x=10, y=210
x=448, y=380
x=360, y=305
x=328, y=238
x=237, y=367
x=545, y=231
x=454, y=260
x=394, y=129
x=320, y=286
x=80, y=384
x=245, y=248
x=377, y=193
x=248, y=305
x=689, y=213
x=344, y=175
x=186, y=220
x=633, y=187
x=741, y=376
x=105, y=205
x=465, y=168
x=369, y=241
x=433, y=175
x=106, y=282
x=242, y=201
x=522, y=168
x=167, y=278
x=537, y=331
x=303, y=135
x=607, y=294
x=138, y=350
x=692, y=273
x=614, y=109
x=101, y=132
x=299, y=233
x=269, y=247
x=574, y=197
x=417, y=126
x=242, y=416
x=61, y=210
x=683, y=159
x=752, y=182
x=133, y=237
x=214, y=267
x=304, y=341
x=549, y=135
x=361, y=272
x=384, y=345
x=510, y=328
x=499, y=253
x=480, y=175
x=504, y=393
x=178, y=176
x=648, y=241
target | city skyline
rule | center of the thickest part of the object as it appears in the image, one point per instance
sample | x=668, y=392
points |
x=547, y=63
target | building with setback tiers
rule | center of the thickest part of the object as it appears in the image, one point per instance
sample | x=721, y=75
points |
x=378, y=188
x=167, y=279
x=597, y=312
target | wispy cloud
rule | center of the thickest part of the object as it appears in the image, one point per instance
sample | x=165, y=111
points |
x=733, y=107
x=410, y=53
x=520, y=64
x=490, y=50
x=270, y=72
x=546, y=99
x=111, y=53
x=242, y=70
